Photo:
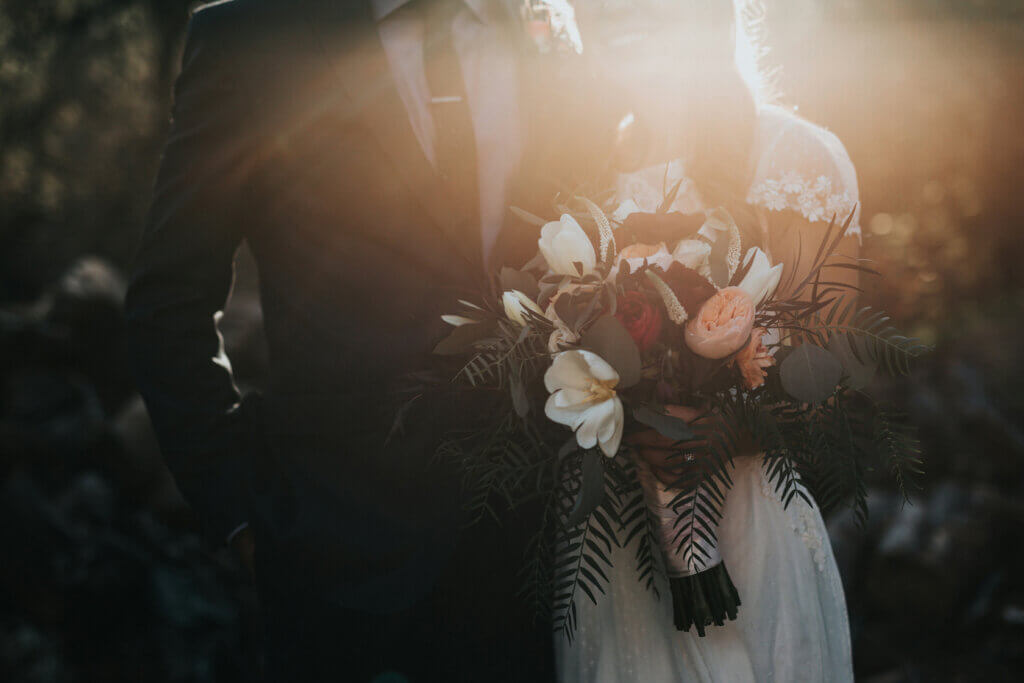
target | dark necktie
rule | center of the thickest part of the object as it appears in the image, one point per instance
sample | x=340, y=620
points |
x=454, y=140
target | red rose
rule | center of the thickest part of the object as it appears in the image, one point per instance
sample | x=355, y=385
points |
x=641, y=318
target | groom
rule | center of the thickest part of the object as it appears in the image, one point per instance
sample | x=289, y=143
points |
x=365, y=151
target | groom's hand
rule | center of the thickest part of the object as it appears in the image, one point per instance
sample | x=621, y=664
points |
x=243, y=544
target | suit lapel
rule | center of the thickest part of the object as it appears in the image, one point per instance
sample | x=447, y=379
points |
x=361, y=70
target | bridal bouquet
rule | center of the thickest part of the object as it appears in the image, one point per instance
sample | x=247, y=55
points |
x=581, y=354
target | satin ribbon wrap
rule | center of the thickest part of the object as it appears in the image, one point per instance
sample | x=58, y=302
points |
x=702, y=591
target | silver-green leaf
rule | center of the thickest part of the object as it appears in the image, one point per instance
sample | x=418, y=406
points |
x=860, y=370
x=810, y=373
x=610, y=340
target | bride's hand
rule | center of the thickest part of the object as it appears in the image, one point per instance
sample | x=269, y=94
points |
x=662, y=454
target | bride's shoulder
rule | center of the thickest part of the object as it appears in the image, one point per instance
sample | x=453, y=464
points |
x=803, y=167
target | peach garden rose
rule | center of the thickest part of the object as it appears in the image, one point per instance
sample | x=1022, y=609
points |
x=723, y=324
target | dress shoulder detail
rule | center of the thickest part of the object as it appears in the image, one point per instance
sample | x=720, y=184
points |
x=803, y=167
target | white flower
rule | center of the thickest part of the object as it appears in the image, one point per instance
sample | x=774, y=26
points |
x=692, y=254
x=516, y=304
x=563, y=244
x=583, y=398
x=762, y=278
x=457, y=320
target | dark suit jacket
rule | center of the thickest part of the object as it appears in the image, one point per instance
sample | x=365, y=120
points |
x=288, y=133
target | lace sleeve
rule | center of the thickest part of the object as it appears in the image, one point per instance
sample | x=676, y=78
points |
x=804, y=168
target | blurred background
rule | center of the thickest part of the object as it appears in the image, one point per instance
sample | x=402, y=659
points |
x=103, y=578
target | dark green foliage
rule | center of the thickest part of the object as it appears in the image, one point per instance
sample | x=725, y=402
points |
x=819, y=432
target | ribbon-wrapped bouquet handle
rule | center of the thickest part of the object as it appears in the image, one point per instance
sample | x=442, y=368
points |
x=702, y=590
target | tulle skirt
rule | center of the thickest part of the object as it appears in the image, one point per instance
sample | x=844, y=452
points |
x=792, y=625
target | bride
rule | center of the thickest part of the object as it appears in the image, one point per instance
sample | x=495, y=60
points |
x=701, y=127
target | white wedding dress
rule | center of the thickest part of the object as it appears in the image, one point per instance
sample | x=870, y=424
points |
x=792, y=625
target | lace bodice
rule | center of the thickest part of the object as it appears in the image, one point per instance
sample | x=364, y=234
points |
x=798, y=166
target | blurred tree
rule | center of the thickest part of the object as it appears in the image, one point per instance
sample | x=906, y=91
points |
x=85, y=87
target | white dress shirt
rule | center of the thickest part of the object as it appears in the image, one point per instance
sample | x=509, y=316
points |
x=488, y=60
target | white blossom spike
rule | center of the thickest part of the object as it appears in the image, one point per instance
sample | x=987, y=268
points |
x=676, y=312
x=732, y=258
x=604, y=228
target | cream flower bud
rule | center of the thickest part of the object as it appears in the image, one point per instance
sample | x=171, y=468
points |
x=516, y=304
x=762, y=278
x=564, y=244
x=458, y=320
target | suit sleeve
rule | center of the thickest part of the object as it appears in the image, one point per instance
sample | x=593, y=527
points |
x=181, y=280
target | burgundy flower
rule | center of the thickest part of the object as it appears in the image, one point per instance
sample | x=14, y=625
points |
x=641, y=317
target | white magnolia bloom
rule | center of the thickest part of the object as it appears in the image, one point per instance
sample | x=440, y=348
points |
x=583, y=398
x=563, y=244
x=457, y=320
x=762, y=278
x=693, y=254
x=516, y=304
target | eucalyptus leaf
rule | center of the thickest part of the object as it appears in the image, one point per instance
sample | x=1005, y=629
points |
x=547, y=290
x=810, y=373
x=859, y=369
x=591, y=492
x=527, y=216
x=517, y=279
x=669, y=426
x=610, y=340
x=538, y=262
x=519, y=399
x=567, y=307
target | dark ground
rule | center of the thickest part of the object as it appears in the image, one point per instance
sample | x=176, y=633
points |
x=103, y=578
